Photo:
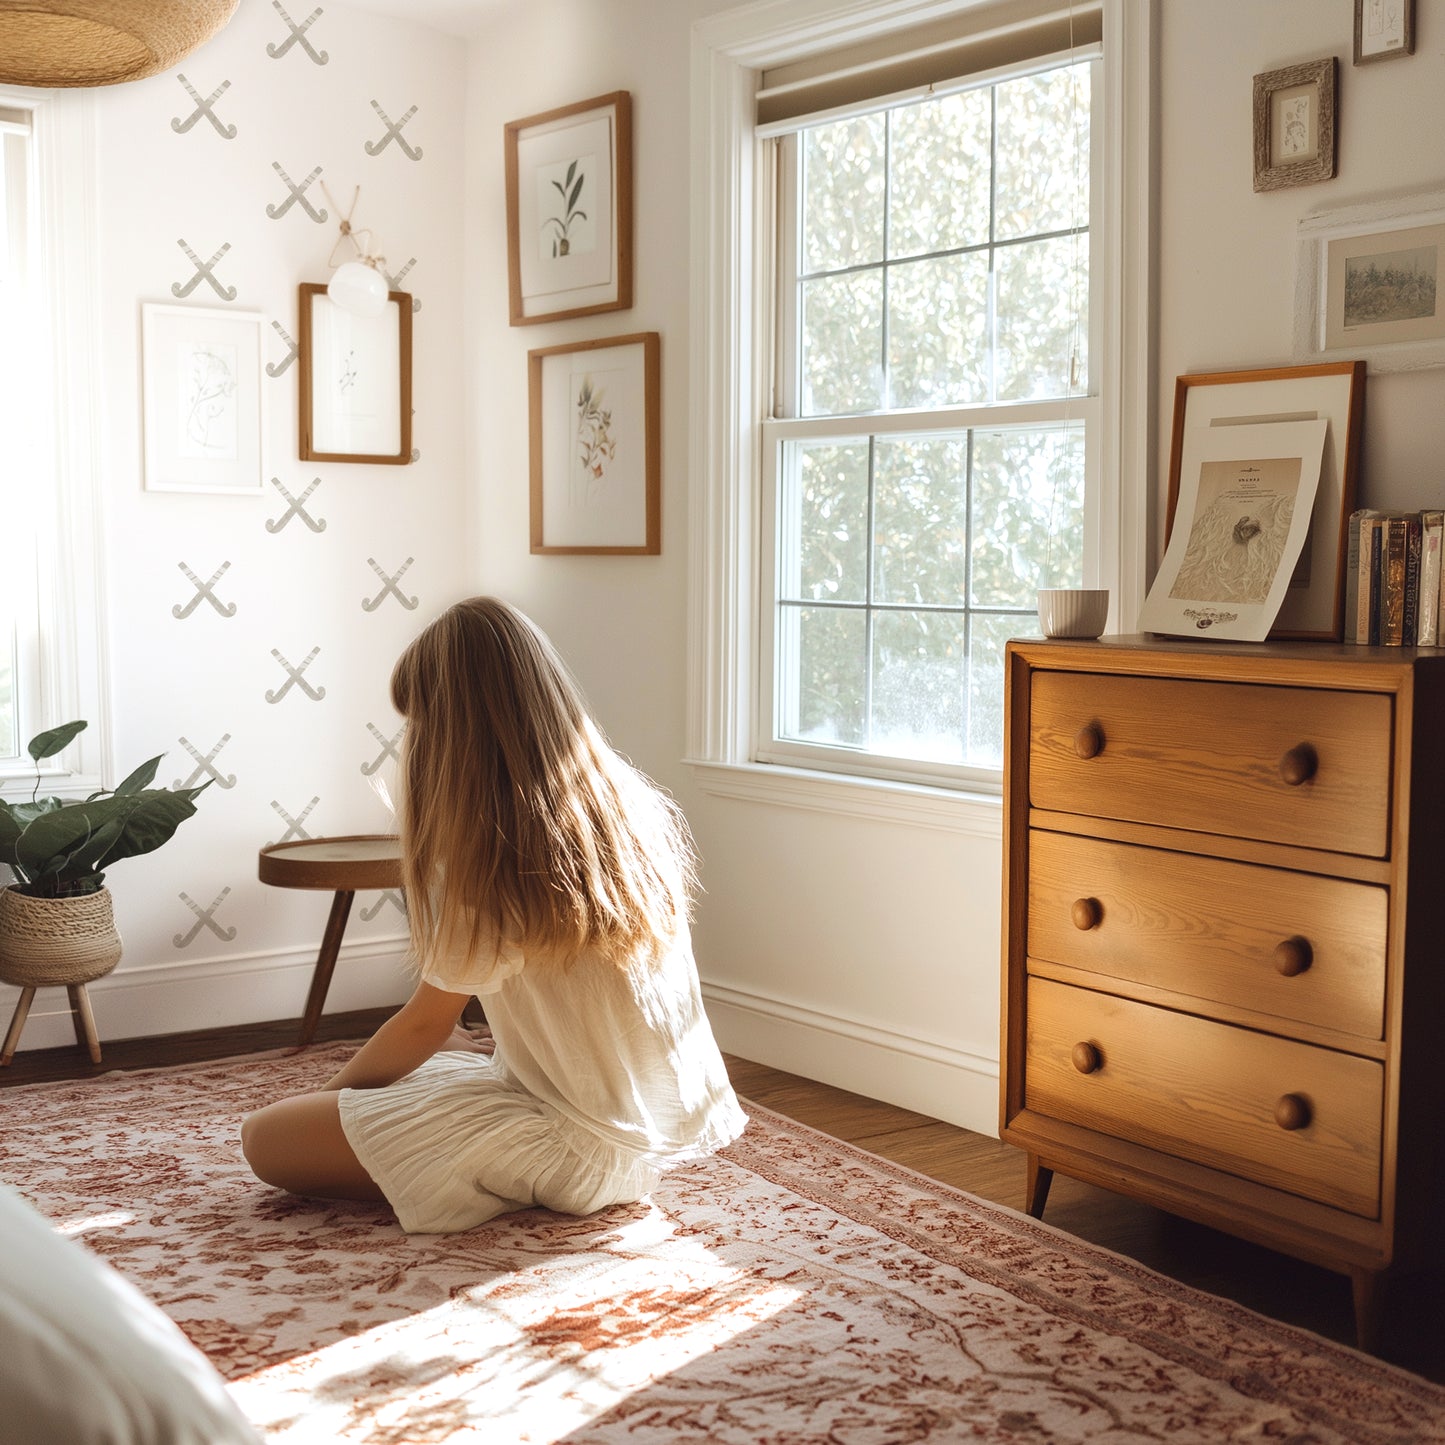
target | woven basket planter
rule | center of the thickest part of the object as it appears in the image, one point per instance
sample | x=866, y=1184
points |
x=56, y=942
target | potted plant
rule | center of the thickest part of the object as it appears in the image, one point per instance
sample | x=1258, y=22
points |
x=56, y=921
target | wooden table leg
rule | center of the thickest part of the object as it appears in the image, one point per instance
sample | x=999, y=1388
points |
x=325, y=963
x=84, y=1020
x=17, y=1022
x=1036, y=1190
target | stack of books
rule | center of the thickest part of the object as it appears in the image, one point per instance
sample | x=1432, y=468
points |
x=1393, y=578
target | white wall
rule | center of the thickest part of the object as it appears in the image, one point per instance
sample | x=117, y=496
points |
x=1227, y=255
x=206, y=676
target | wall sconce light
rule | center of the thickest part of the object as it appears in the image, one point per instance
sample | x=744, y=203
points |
x=357, y=285
x=98, y=42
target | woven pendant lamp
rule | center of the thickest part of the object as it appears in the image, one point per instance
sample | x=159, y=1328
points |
x=101, y=42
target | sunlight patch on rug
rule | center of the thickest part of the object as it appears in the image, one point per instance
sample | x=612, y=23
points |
x=531, y=1357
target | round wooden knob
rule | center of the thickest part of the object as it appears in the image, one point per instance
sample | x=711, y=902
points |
x=1292, y=1111
x=1087, y=1058
x=1299, y=764
x=1089, y=740
x=1087, y=913
x=1293, y=955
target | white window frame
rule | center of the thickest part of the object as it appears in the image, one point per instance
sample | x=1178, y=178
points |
x=70, y=669
x=730, y=311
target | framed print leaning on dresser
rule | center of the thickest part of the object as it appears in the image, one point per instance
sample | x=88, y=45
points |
x=1314, y=602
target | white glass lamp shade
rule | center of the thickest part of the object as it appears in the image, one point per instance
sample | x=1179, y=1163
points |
x=358, y=288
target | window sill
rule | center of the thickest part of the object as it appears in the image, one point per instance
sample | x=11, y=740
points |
x=977, y=814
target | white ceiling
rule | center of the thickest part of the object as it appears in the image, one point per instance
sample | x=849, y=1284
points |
x=455, y=17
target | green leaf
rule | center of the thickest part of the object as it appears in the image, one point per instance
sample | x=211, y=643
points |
x=141, y=778
x=575, y=192
x=72, y=843
x=47, y=744
x=571, y=171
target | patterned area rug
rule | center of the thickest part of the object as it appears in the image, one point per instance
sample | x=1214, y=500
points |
x=793, y=1289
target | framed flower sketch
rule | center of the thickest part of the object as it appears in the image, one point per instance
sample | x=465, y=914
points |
x=1383, y=29
x=1368, y=282
x=1294, y=125
x=355, y=376
x=1217, y=413
x=569, y=210
x=596, y=446
x=201, y=388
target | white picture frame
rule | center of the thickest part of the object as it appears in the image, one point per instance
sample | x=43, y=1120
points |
x=202, y=400
x=1401, y=233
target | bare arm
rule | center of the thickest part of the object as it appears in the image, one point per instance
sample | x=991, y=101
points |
x=407, y=1039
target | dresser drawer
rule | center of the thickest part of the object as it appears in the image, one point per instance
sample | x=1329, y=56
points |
x=1292, y=945
x=1213, y=757
x=1208, y=1092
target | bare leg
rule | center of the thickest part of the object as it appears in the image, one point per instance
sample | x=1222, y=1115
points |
x=298, y=1145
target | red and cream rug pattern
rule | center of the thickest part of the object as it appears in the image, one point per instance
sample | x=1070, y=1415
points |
x=794, y=1289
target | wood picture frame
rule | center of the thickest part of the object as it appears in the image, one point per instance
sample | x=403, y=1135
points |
x=1384, y=30
x=1370, y=282
x=1295, y=118
x=1315, y=603
x=569, y=210
x=203, y=399
x=596, y=446
x=355, y=380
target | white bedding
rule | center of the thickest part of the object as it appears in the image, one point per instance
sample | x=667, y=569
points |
x=86, y=1359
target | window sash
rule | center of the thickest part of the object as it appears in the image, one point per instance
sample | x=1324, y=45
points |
x=778, y=161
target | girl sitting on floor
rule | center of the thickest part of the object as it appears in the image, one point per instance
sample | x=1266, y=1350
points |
x=549, y=878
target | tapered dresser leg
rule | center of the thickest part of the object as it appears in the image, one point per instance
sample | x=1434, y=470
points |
x=1036, y=1191
x=1368, y=1286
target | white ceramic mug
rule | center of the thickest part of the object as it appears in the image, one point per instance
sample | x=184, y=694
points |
x=1073, y=611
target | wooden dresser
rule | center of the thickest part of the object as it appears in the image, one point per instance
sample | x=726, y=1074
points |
x=1224, y=938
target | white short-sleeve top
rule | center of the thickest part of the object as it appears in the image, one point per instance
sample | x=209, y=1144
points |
x=624, y=1051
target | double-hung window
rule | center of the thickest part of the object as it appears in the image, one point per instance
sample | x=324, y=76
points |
x=930, y=454
x=51, y=659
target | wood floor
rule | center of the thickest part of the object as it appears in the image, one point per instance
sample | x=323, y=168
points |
x=1302, y=1294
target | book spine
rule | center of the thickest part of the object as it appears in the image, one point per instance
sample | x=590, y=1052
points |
x=1392, y=582
x=1411, y=629
x=1352, y=578
x=1370, y=581
x=1432, y=539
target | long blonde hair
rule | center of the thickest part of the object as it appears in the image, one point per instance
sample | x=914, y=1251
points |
x=519, y=823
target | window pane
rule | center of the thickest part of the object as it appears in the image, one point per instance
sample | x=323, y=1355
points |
x=824, y=522
x=843, y=344
x=1043, y=153
x=919, y=663
x=920, y=520
x=844, y=185
x=939, y=180
x=1043, y=301
x=988, y=634
x=938, y=331
x=1028, y=514
x=9, y=733
x=824, y=655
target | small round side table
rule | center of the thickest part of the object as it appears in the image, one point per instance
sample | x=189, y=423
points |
x=341, y=866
